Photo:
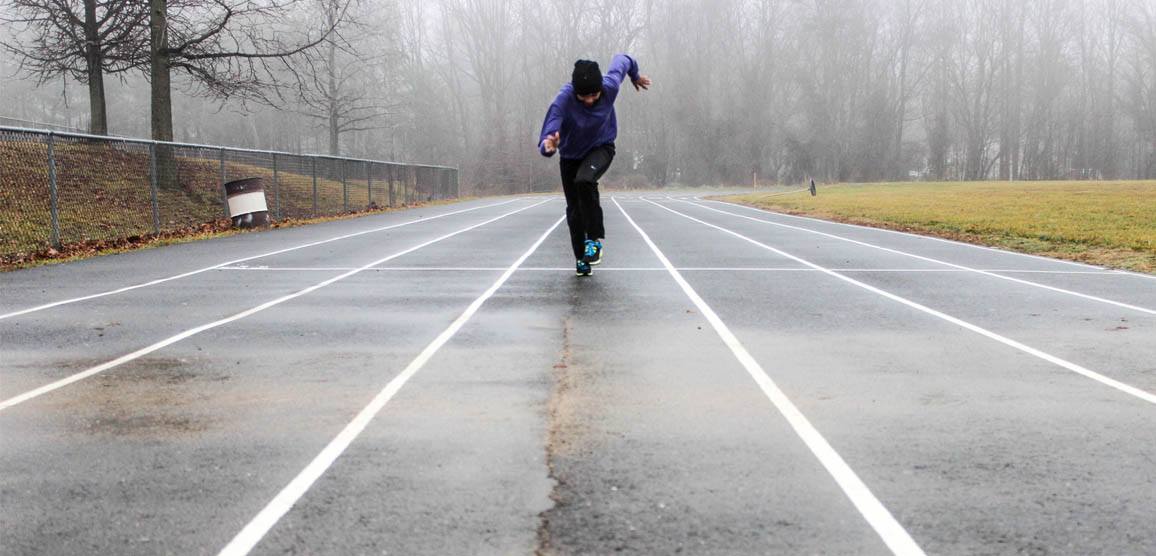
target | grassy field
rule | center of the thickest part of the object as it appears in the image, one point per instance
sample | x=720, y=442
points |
x=1104, y=223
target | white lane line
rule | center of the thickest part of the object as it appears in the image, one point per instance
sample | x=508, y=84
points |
x=194, y=331
x=880, y=519
x=1113, y=383
x=425, y=269
x=260, y=525
x=945, y=263
x=908, y=234
x=683, y=269
x=1027, y=271
x=466, y=268
x=1136, y=274
x=235, y=261
x=340, y=268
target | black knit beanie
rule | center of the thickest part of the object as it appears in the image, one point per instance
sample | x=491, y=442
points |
x=587, y=78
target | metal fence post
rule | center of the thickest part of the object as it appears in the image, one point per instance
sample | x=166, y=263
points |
x=276, y=190
x=314, y=159
x=391, y=178
x=52, y=196
x=405, y=186
x=402, y=184
x=457, y=184
x=153, y=188
x=344, y=189
x=224, y=194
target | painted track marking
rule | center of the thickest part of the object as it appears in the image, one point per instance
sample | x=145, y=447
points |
x=682, y=269
x=235, y=261
x=1111, y=382
x=937, y=261
x=905, y=234
x=260, y=525
x=885, y=525
x=37, y=392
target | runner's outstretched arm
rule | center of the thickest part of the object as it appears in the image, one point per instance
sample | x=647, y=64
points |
x=621, y=67
x=550, y=137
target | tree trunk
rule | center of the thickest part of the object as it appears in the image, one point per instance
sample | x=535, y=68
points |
x=161, y=113
x=333, y=92
x=897, y=169
x=1016, y=112
x=98, y=121
x=1109, y=161
x=162, y=100
x=1005, y=73
x=334, y=99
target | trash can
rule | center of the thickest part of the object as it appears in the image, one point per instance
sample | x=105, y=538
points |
x=247, y=205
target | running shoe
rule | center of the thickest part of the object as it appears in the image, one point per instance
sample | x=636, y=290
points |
x=593, y=252
x=583, y=268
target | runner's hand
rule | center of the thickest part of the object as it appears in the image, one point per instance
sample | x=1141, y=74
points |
x=642, y=84
x=550, y=143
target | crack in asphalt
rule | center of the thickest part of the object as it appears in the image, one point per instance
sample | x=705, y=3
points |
x=556, y=414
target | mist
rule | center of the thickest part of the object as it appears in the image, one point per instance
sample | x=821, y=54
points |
x=769, y=90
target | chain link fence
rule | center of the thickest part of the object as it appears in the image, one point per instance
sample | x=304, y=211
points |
x=59, y=188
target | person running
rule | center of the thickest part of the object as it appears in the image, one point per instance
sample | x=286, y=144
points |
x=580, y=125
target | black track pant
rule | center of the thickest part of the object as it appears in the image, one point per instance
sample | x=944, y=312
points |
x=580, y=184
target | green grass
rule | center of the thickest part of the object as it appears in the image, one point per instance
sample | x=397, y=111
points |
x=1102, y=222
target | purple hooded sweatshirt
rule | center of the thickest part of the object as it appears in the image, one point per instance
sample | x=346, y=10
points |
x=584, y=128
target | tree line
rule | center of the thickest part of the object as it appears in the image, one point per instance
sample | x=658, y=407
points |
x=774, y=90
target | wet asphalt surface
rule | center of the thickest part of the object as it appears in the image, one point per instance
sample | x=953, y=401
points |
x=576, y=415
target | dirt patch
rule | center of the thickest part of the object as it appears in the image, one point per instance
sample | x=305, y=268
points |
x=120, y=424
x=145, y=398
x=154, y=370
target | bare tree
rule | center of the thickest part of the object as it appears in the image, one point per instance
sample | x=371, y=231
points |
x=344, y=82
x=907, y=77
x=79, y=39
x=228, y=47
x=1012, y=28
x=778, y=89
x=1140, y=96
x=972, y=80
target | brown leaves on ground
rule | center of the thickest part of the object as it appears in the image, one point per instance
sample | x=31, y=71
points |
x=91, y=248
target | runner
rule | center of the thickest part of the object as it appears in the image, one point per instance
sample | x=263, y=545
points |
x=581, y=125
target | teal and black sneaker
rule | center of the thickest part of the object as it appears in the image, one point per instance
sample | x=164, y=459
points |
x=593, y=252
x=583, y=268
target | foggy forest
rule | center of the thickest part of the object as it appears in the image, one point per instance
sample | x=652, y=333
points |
x=770, y=90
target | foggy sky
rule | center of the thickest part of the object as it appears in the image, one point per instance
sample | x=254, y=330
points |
x=836, y=89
